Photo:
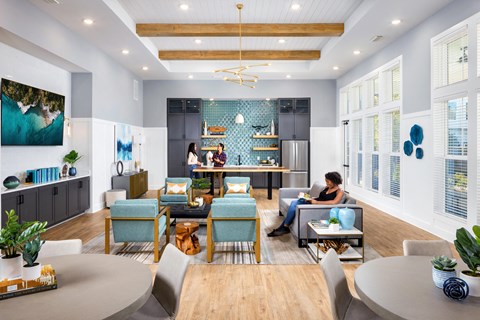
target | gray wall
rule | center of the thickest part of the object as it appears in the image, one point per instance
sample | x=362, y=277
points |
x=415, y=48
x=81, y=95
x=112, y=85
x=322, y=93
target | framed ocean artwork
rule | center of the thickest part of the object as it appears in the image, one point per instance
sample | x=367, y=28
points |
x=31, y=116
x=123, y=142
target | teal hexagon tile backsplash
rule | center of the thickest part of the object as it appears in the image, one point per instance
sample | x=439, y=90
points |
x=239, y=137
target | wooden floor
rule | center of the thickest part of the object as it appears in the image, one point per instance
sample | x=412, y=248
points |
x=260, y=291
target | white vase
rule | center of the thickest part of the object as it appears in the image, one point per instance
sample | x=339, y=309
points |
x=473, y=284
x=32, y=273
x=272, y=128
x=199, y=200
x=440, y=276
x=11, y=267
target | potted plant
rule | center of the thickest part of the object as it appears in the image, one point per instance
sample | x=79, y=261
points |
x=442, y=269
x=199, y=184
x=333, y=224
x=71, y=158
x=32, y=270
x=469, y=249
x=13, y=237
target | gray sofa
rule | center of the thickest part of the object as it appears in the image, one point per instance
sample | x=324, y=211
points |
x=307, y=212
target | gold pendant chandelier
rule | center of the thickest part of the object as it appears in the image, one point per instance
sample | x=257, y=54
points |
x=243, y=79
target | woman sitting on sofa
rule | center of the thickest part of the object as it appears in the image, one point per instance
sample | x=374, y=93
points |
x=332, y=194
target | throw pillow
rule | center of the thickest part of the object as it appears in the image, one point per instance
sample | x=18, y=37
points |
x=237, y=188
x=316, y=189
x=176, y=188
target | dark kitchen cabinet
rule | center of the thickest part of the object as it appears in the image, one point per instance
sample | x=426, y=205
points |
x=294, y=119
x=184, y=126
x=23, y=202
x=53, y=203
x=78, y=196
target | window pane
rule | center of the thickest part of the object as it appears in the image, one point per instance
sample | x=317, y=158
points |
x=457, y=53
x=375, y=133
x=375, y=91
x=457, y=126
x=375, y=171
x=396, y=84
x=396, y=131
x=456, y=187
x=395, y=176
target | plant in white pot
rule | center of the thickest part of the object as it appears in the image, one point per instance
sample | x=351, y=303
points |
x=12, y=239
x=32, y=270
x=334, y=224
x=442, y=268
x=468, y=248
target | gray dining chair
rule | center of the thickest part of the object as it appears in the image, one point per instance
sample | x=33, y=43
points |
x=167, y=288
x=342, y=304
x=60, y=247
x=427, y=248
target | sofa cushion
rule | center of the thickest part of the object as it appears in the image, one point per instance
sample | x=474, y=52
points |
x=237, y=188
x=176, y=188
x=173, y=198
x=316, y=188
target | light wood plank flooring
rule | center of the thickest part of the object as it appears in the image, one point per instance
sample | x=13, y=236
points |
x=260, y=291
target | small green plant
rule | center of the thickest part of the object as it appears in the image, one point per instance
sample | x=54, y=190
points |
x=14, y=235
x=469, y=249
x=444, y=263
x=31, y=250
x=200, y=184
x=333, y=220
x=72, y=157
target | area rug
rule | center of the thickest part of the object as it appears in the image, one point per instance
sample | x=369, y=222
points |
x=275, y=250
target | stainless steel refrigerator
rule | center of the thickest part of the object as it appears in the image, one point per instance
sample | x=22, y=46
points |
x=295, y=157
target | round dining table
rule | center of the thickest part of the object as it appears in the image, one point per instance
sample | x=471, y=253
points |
x=402, y=288
x=90, y=286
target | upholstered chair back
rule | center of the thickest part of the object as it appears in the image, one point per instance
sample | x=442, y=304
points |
x=236, y=187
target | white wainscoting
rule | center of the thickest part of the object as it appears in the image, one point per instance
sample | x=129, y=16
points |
x=155, y=155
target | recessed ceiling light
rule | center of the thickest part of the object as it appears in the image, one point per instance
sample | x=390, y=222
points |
x=125, y=51
x=268, y=99
x=190, y=76
x=335, y=68
x=396, y=21
x=356, y=52
x=282, y=41
x=211, y=99
x=198, y=41
x=184, y=6
x=288, y=76
x=88, y=21
x=295, y=6
x=9, y=76
x=145, y=68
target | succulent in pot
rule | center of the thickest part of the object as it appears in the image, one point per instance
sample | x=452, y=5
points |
x=468, y=248
x=442, y=268
x=32, y=270
x=334, y=224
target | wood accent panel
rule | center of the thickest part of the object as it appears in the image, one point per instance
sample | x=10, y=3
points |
x=265, y=148
x=248, y=30
x=234, y=55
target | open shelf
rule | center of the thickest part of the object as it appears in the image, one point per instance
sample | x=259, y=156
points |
x=264, y=136
x=350, y=254
x=211, y=149
x=265, y=148
x=214, y=136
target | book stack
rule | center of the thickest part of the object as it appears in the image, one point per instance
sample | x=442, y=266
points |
x=10, y=288
x=43, y=175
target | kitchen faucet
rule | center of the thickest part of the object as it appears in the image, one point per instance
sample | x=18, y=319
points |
x=239, y=161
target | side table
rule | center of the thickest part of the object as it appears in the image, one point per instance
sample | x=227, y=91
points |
x=325, y=233
x=185, y=240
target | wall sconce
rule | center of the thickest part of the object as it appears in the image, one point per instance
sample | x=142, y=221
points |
x=67, y=123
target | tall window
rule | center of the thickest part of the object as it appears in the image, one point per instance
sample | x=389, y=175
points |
x=357, y=153
x=450, y=152
x=391, y=156
x=372, y=153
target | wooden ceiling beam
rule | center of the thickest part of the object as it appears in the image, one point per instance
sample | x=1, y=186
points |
x=246, y=55
x=248, y=30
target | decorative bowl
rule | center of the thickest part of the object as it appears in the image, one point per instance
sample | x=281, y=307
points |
x=193, y=204
x=11, y=182
x=263, y=161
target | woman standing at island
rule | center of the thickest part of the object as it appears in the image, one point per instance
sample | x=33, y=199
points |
x=192, y=160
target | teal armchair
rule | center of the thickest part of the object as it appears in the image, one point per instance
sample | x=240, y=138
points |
x=171, y=199
x=233, y=193
x=233, y=220
x=137, y=220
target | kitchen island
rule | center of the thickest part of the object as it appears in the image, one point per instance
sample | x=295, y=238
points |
x=267, y=169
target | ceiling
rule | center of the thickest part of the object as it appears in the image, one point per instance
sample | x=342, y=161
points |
x=114, y=29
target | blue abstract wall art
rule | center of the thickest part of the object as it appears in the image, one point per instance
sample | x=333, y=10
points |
x=416, y=138
x=123, y=142
x=416, y=134
x=31, y=116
